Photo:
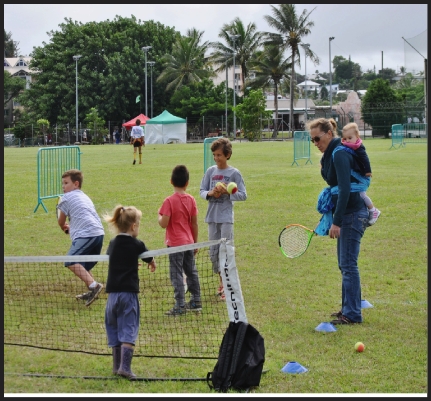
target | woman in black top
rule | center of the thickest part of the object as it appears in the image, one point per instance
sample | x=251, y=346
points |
x=349, y=214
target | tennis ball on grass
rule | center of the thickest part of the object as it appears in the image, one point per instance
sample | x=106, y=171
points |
x=359, y=346
x=232, y=188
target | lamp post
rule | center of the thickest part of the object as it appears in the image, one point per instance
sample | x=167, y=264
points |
x=234, y=38
x=306, y=47
x=330, y=74
x=76, y=58
x=226, y=98
x=145, y=49
x=151, y=64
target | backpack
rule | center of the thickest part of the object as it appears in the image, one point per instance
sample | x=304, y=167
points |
x=240, y=360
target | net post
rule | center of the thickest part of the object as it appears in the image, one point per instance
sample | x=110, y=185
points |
x=231, y=284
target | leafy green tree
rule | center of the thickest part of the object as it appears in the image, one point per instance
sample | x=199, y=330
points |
x=387, y=73
x=12, y=86
x=247, y=43
x=285, y=87
x=186, y=63
x=10, y=46
x=292, y=29
x=111, y=71
x=337, y=60
x=252, y=112
x=346, y=69
x=23, y=125
x=43, y=124
x=270, y=68
x=324, y=93
x=94, y=122
x=381, y=107
x=200, y=98
x=412, y=93
x=369, y=75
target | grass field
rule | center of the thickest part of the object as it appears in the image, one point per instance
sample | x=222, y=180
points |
x=285, y=299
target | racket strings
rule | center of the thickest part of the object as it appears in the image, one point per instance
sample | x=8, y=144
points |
x=294, y=241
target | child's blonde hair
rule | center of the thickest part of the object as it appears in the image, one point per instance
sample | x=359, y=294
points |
x=122, y=218
x=352, y=126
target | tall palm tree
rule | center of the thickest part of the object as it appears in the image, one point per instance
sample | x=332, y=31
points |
x=270, y=68
x=248, y=41
x=187, y=62
x=292, y=28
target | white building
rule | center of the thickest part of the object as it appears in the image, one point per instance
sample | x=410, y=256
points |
x=17, y=67
x=309, y=86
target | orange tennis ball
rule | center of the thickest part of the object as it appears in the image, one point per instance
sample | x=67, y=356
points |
x=221, y=184
x=232, y=188
x=359, y=347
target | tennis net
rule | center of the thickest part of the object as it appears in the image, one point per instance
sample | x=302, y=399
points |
x=41, y=309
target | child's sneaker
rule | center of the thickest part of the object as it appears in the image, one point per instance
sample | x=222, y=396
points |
x=373, y=215
x=94, y=294
x=84, y=297
x=176, y=311
x=194, y=305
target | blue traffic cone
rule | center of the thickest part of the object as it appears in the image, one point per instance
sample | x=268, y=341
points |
x=365, y=304
x=326, y=327
x=294, y=367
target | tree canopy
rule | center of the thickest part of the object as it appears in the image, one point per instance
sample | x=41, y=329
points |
x=292, y=29
x=10, y=46
x=111, y=71
x=185, y=63
x=12, y=86
x=381, y=107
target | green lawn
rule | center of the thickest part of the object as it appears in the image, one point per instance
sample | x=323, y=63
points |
x=285, y=299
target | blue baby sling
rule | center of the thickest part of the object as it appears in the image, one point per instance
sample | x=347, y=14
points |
x=324, y=202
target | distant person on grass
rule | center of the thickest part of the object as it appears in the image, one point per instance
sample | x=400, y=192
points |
x=85, y=229
x=179, y=216
x=117, y=136
x=137, y=140
x=352, y=139
x=220, y=216
x=122, y=313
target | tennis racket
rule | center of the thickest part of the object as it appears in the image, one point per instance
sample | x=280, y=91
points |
x=58, y=211
x=294, y=240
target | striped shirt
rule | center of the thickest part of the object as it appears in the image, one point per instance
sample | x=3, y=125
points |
x=84, y=222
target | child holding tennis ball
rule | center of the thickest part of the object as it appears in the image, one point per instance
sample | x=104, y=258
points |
x=122, y=311
x=220, y=214
x=86, y=231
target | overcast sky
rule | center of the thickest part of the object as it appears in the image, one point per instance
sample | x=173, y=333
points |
x=362, y=31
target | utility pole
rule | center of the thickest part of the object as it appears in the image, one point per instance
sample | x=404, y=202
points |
x=330, y=74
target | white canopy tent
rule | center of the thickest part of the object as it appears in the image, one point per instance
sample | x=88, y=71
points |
x=166, y=128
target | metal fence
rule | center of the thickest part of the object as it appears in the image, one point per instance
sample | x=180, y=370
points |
x=207, y=126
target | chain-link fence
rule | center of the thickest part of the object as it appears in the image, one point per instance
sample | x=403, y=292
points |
x=199, y=128
x=377, y=119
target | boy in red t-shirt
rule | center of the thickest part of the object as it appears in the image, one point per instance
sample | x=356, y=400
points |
x=179, y=216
